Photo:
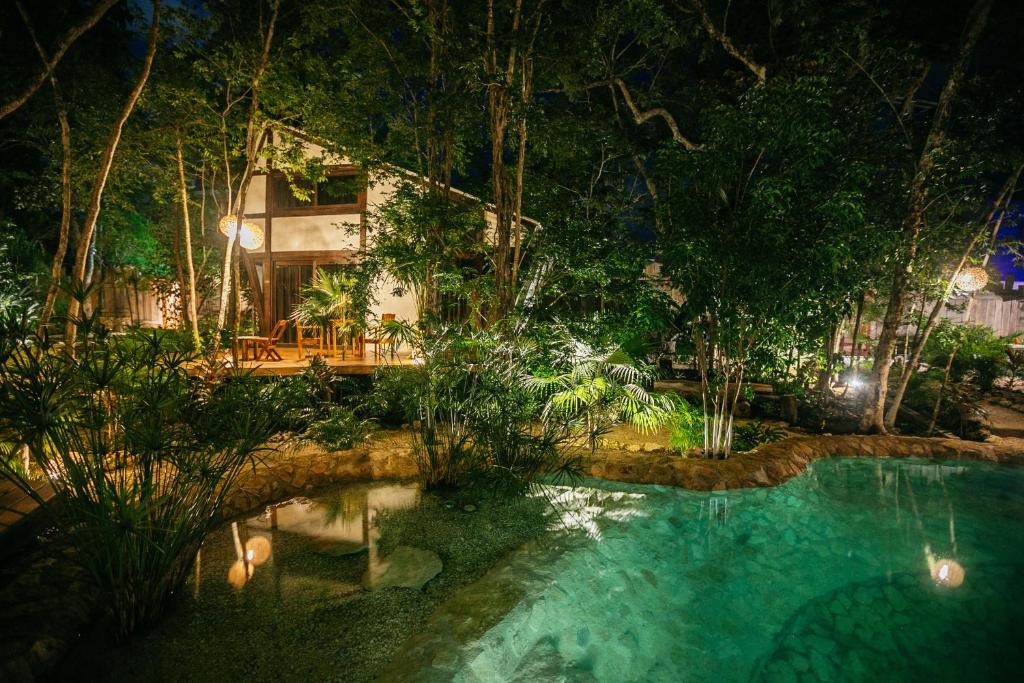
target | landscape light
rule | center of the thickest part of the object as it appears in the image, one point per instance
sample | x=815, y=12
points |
x=250, y=236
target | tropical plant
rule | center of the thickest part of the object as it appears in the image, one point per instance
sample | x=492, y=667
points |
x=747, y=437
x=480, y=423
x=330, y=296
x=393, y=398
x=598, y=388
x=686, y=427
x=339, y=429
x=139, y=454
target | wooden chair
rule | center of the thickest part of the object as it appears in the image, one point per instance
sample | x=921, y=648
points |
x=341, y=335
x=262, y=347
x=379, y=340
x=308, y=336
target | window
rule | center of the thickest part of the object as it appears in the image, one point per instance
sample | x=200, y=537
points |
x=337, y=190
x=285, y=199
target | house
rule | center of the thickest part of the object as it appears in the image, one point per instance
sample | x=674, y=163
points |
x=327, y=231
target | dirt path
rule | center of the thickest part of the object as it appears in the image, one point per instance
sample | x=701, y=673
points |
x=1004, y=421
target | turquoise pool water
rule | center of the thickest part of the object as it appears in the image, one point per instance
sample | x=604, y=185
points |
x=860, y=569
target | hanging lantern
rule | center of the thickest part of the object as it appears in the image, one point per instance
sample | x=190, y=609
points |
x=972, y=279
x=250, y=236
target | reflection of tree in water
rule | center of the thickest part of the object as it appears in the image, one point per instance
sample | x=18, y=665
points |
x=854, y=482
x=342, y=506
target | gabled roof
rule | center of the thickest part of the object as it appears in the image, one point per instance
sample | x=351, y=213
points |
x=397, y=170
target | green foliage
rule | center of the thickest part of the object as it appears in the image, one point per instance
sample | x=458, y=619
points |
x=333, y=295
x=480, y=423
x=598, y=388
x=686, y=425
x=981, y=355
x=339, y=429
x=392, y=401
x=428, y=244
x=139, y=454
x=748, y=436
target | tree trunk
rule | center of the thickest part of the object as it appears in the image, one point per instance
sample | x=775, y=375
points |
x=57, y=269
x=106, y=161
x=910, y=367
x=942, y=388
x=855, y=350
x=193, y=317
x=253, y=138
x=874, y=414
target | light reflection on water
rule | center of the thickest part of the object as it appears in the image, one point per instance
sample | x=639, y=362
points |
x=337, y=525
x=861, y=569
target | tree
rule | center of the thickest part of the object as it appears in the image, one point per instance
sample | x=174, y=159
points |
x=96, y=197
x=913, y=223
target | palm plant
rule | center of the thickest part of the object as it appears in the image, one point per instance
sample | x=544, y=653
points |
x=601, y=387
x=139, y=454
x=328, y=297
x=479, y=424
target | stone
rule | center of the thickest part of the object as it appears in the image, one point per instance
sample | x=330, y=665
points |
x=469, y=507
x=405, y=567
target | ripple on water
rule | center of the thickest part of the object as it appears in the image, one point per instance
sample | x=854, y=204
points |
x=836, y=575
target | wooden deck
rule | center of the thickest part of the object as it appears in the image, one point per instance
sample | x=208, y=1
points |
x=291, y=364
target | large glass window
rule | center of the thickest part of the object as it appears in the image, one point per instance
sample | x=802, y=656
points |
x=334, y=190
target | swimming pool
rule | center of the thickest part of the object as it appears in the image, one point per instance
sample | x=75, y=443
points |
x=860, y=569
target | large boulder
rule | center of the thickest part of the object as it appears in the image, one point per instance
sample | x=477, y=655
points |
x=405, y=567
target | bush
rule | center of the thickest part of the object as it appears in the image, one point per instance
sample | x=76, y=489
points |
x=392, y=400
x=139, y=454
x=478, y=418
x=338, y=430
x=747, y=437
x=686, y=426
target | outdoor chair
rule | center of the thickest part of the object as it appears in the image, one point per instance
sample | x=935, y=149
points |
x=261, y=347
x=381, y=342
x=308, y=336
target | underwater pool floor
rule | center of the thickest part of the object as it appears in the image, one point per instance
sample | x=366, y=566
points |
x=860, y=569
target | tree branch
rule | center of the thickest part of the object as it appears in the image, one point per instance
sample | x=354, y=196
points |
x=57, y=268
x=642, y=117
x=50, y=64
x=103, y=173
x=727, y=44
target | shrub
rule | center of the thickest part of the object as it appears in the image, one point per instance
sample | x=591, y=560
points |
x=598, y=388
x=338, y=430
x=392, y=400
x=139, y=454
x=686, y=425
x=747, y=437
x=478, y=417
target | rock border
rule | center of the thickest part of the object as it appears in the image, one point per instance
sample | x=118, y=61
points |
x=776, y=463
x=66, y=608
